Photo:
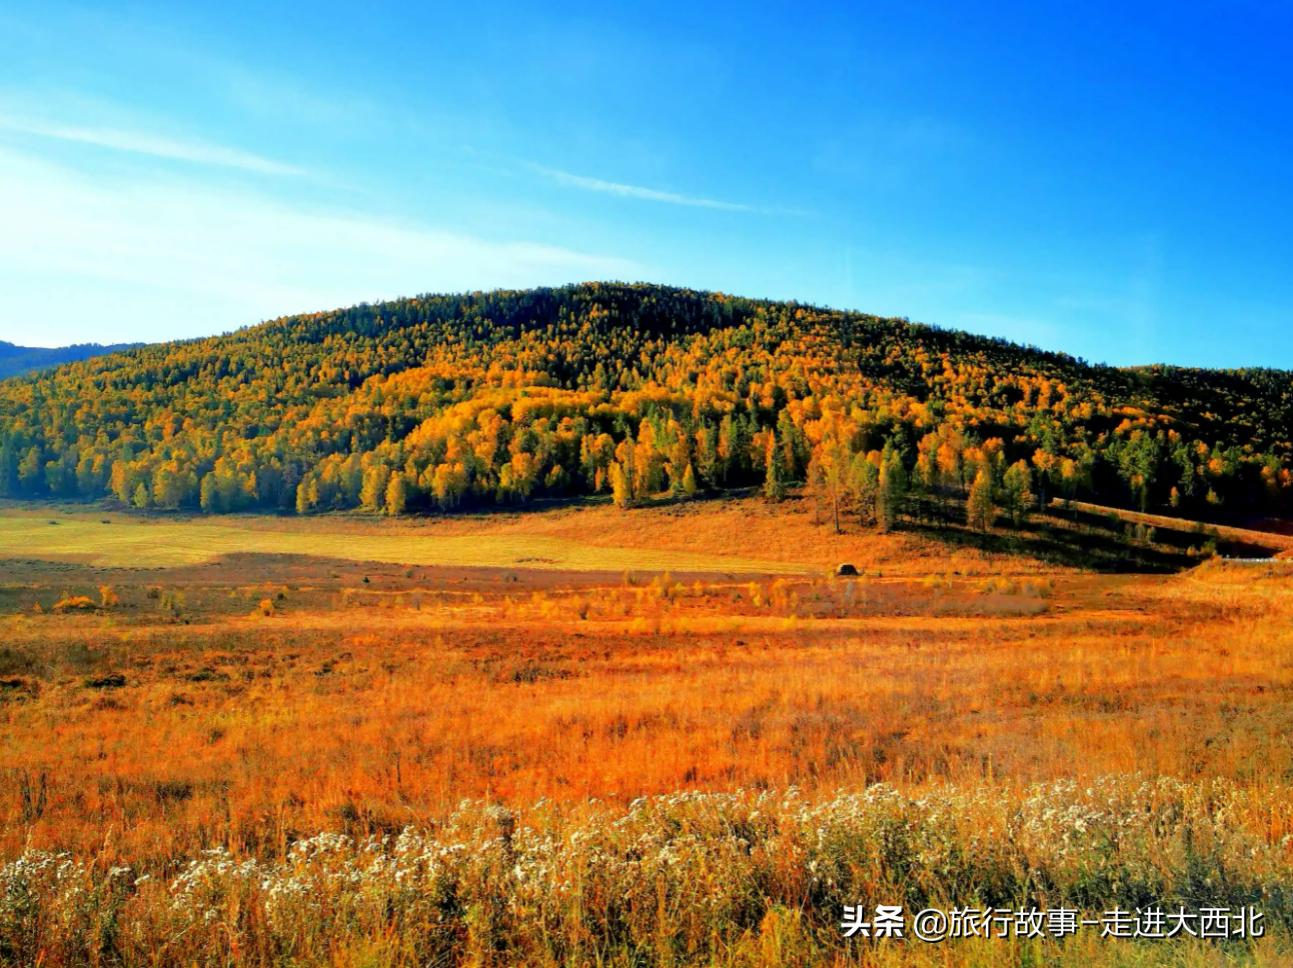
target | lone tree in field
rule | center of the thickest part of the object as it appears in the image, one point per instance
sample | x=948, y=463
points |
x=979, y=509
x=774, y=481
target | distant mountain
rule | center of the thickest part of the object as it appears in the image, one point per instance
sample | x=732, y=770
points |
x=442, y=402
x=17, y=360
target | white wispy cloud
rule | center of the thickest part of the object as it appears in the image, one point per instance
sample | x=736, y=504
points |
x=138, y=256
x=637, y=191
x=157, y=146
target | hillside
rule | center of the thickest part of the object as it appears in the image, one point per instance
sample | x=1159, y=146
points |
x=444, y=402
x=17, y=360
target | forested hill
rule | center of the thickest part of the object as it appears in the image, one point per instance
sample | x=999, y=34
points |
x=16, y=360
x=441, y=402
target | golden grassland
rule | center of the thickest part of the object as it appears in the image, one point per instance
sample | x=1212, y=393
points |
x=954, y=725
x=737, y=536
x=119, y=540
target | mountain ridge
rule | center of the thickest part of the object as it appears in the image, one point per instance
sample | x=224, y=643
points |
x=441, y=401
x=18, y=360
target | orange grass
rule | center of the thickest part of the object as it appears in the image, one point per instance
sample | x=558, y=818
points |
x=368, y=705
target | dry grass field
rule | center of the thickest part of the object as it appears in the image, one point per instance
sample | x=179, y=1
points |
x=579, y=539
x=471, y=710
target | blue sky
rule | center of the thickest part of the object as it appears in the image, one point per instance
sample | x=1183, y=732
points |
x=1110, y=180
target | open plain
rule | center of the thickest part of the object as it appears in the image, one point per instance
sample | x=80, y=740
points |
x=241, y=702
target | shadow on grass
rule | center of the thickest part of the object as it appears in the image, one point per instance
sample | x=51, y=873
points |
x=1059, y=544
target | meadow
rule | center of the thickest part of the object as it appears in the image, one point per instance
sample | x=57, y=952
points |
x=488, y=540
x=367, y=742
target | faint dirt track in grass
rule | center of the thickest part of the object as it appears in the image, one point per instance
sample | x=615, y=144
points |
x=1269, y=539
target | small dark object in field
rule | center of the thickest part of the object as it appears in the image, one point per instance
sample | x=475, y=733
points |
x=172, y=791
x=114, y=681
x=366, y=579
x=207, y=674
x=53, y=522
x=845, y=569
x=105, y=521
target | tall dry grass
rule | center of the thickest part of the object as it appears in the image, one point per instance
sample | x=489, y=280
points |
x=190, y=738
x=690, y=878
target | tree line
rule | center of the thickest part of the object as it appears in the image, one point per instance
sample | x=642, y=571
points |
x=439, y=403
